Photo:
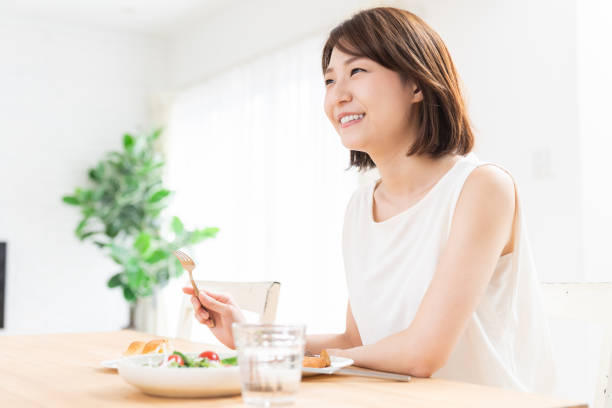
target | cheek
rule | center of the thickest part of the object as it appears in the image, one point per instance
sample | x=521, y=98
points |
x=328, y=108
x=389, y=110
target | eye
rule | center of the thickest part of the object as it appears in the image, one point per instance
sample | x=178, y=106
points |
x=356, y=70
x=328, y=81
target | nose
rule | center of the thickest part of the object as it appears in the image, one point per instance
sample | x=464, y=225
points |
x=341, y=93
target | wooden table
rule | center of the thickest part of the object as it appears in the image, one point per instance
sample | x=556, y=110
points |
x=63, y=370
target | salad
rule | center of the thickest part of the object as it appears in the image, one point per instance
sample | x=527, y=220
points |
x=204, y=359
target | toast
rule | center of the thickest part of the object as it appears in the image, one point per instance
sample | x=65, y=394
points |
x=154, y=346
x=321, y=361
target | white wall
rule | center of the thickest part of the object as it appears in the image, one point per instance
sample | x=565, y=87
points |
x=243, y=31
x=595, y=88
x=67, y=96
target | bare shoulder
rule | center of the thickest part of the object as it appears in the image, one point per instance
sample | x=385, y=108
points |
x=489, y=188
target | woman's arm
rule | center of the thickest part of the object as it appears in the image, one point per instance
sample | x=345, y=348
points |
x=481, y=228
x=350, y=338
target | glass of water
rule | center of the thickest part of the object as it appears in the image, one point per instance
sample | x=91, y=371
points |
x=270, y=360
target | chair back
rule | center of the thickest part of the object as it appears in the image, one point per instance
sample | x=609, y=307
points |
x=257, y=297
x=590, y=303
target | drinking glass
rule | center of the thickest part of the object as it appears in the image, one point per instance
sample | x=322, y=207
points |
x=270, y=360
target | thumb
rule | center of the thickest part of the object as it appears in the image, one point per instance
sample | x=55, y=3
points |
x=211, y=303
x=221, y=297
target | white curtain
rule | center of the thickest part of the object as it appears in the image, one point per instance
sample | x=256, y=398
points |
x=251, y=152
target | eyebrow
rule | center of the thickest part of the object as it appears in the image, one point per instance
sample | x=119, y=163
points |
x=348, y=61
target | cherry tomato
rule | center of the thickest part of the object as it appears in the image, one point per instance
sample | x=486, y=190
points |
x=176, y=358
x=211, y=355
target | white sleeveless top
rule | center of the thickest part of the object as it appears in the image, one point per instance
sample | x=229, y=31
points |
x=389, y=266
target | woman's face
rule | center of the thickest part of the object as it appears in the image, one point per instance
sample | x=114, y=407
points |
x=369, y=105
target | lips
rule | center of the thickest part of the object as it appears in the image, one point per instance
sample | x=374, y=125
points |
x=343, y=114
x=349, y=119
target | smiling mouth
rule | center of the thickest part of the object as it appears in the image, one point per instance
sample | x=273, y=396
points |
x=349, y=120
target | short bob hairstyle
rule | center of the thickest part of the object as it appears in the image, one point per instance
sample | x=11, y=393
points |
x=402, y=42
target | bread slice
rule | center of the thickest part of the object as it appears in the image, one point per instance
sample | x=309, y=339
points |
x=135, y=347
x=154, y=346
x=321, y=361
x=159, y=346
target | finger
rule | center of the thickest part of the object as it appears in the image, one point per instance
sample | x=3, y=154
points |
x=203, y=316
x=211, y=303
x=221, y=297
x=209, y=322
x=199, y=318
x=198, y=309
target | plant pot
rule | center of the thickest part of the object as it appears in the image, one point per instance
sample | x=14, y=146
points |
x=144, y=314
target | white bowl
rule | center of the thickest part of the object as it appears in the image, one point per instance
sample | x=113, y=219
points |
x=179, y=382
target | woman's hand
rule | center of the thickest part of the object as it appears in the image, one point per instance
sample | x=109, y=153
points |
x=221, y=309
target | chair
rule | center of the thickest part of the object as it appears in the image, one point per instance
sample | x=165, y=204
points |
x=258, y=297
x=590, y=303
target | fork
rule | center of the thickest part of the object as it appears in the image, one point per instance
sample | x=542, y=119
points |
x=189, y=265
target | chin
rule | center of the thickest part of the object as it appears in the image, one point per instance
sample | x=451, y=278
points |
x=353, y=142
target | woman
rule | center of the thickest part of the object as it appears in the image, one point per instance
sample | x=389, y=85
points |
x=437, y=264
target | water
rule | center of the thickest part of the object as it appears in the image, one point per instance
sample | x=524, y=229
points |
x=270, y=376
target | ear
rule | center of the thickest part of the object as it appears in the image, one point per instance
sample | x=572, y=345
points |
x=417, y=95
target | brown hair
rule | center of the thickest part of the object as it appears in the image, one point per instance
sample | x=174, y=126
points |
x=401, y=41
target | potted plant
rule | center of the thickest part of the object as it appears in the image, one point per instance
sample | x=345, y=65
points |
x=122, y=214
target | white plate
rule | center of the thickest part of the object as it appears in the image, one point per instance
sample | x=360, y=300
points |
x=336, y=364
x=179, y=382
x=110, y=363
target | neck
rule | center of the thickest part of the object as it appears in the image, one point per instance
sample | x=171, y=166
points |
x=404, y=176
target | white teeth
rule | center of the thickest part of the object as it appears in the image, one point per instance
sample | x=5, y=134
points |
x=348, y=118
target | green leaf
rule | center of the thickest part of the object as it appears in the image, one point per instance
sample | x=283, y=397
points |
x=230, y=361
x=88, y=211
x=156, y=134
x=111, y=230
x=202, y=234
x=88, y=234
x=119, y=254
x=128, y=141
x=129, y=294
x=156, y=256
x=100, y=244
x=177, y=226
x=80, y=227
x=159, y=195
x=157, y=165
x=114, y=281
x=83, y=196
x=94, y=175
x=135, y=277
x=142, y=242
x=70, y=200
